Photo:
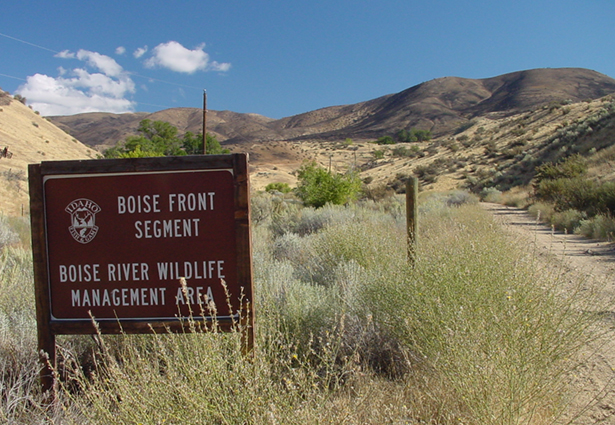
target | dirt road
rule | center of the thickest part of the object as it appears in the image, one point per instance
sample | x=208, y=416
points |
x=593, y=399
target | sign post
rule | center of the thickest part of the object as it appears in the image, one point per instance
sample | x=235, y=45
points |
x=140, y=244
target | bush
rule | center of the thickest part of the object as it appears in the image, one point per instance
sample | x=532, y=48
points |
x=541, y=211
x=414, y=135
x=318, y=186
x=385, y=140
x=570, y=168
x=278, y=187
x=401, y=151
x=601, y=226
x=567, y=220
x=490, y=194
x=377, y=193
x=20, y=98
x=516, y=197
x=159, y=138
x=464, y=126
x=378, y=153
x=570, y=193
x=458, y=198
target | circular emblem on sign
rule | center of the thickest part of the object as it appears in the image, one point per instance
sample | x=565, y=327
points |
x=83, y=219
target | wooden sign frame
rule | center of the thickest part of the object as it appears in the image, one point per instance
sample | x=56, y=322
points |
x=52, y=184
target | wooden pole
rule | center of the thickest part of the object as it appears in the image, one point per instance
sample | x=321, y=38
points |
x=412, y=194
x=204, y=122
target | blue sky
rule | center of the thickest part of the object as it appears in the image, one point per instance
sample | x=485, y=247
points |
x=280, y=58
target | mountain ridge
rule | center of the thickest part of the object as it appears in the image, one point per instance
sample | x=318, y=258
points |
x=438, y=105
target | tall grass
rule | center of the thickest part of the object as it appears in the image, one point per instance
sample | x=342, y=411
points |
x=477, y=313
x=18, y=358
x=347, y=331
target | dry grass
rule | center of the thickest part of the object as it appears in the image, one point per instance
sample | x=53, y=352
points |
x=347, y=332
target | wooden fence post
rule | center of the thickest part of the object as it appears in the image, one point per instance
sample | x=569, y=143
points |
x=412, y=193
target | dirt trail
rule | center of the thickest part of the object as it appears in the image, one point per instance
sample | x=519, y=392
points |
x=594, y=381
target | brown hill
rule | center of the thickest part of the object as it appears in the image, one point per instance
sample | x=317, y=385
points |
x=103, y=130
x=443, y=104
x=449, y=107
x=440, y=106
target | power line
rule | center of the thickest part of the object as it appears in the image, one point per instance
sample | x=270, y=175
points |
x=27, y=42
x=10, y=76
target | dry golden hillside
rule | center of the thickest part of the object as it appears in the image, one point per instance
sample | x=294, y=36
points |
x=488, y=151
x=30, y=139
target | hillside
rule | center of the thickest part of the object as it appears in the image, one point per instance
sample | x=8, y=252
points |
x=484, y=130
x=490, y=132
x=439, y=105
x=30, y=138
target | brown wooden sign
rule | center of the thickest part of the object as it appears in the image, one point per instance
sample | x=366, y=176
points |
x=113, y=238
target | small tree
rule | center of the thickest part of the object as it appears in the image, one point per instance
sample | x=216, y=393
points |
x=318, y=187
x=193, y=144
x=156, y=138
x=138, y=153
x=159, y=138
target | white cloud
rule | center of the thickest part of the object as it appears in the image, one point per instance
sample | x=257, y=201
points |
x=120, y=50
x=174, y=56
x=222, y=67
x=65, y=54
x=106, y=64
x=56, y=96
x=140, y=52
x=79, y=90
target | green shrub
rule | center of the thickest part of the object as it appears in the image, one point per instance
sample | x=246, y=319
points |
x=606, y=197
x=414, y=135
x=159, y=138
x=570, y=193
x=385, y=140
x=318, y=186
x=572, y=167
x=278, y=187
x=458, y=198
x=378, y=153
x=20, y=98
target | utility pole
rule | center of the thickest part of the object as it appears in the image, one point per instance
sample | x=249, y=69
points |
x=204, y=122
